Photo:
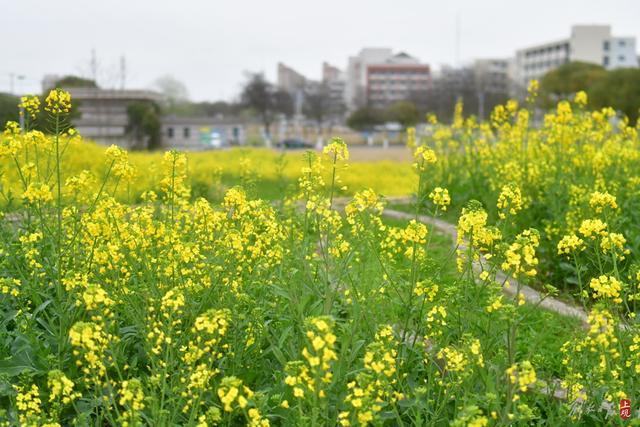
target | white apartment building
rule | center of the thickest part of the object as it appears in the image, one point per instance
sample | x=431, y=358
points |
x=620, y=52
x=356, y=78
x=587, y=43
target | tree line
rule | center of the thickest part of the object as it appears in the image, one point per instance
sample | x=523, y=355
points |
x=619, y=88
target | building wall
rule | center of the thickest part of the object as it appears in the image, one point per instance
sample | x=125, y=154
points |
x=391, y=83
x=334, y=80
x=289, y=79
x=198, y=136
x=329, y=72
x=492, y=75
x=620, y=52
x=587, y=42
x=534, y=62
x=103, y=113
x=356, y=75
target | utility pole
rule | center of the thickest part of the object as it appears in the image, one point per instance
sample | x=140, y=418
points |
x=93, y=66
x=457, y=41
x=481, y=104
x=19, y=88
x=123, y=72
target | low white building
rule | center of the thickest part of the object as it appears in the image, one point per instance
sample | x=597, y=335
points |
x=201, y=133
x=620, y=52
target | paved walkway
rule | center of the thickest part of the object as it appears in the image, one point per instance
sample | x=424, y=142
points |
x=531, y=295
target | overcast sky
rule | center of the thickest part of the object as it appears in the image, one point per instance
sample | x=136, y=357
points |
x=207, y=44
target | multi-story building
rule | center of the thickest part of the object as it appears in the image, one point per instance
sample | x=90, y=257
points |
x=103, y=113
x=296, y=85
x=330, y=72
x=356, y=74
x=334, y=81
x=492, y=75
x=289, y=79
x=620, y=52
x=587, y=43
x=399, y=78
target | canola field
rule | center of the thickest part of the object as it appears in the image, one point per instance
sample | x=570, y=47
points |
x=250, y=288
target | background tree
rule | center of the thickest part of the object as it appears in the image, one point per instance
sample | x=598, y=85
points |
x=317, y=104
x=8, y=108
x=174, y=90
x=477, y=95
x=365, y=118
x=265, y=100
x=619, y=89
x=568, y=79
x=404, y=112
x=144, y=125
x=283, y=103
x=75, y=81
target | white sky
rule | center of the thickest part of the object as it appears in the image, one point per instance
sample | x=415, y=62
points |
x=207, y=44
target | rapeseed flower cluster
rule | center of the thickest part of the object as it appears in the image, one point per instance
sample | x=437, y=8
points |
x=131, y=397
x=91, y=343
x=30, y=104
x=606, y=287
x=58, y=102
x=509, y=201
x=233, y=393
x=373, y=389
x=61, y=387
x=520, y=256
x=311, y=377
x=440, y=197
x=522, y=375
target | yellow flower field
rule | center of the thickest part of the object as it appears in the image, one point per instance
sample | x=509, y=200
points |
x=159, y=289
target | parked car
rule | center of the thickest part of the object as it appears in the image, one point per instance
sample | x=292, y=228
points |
x=294, y=143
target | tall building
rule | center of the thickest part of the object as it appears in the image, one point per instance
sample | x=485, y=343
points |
x=399, y=78
x=492, y=75
x=289, y=79
x=356, y=78
x=587, y=43
x=329, y=72
x=378, y=77
x=333, y=79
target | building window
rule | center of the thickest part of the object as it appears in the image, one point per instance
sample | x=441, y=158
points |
x=170, y=132
x=605, y=61
x=605, y=45
x=186, y=133
x=621, y=58
x=621, y=43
